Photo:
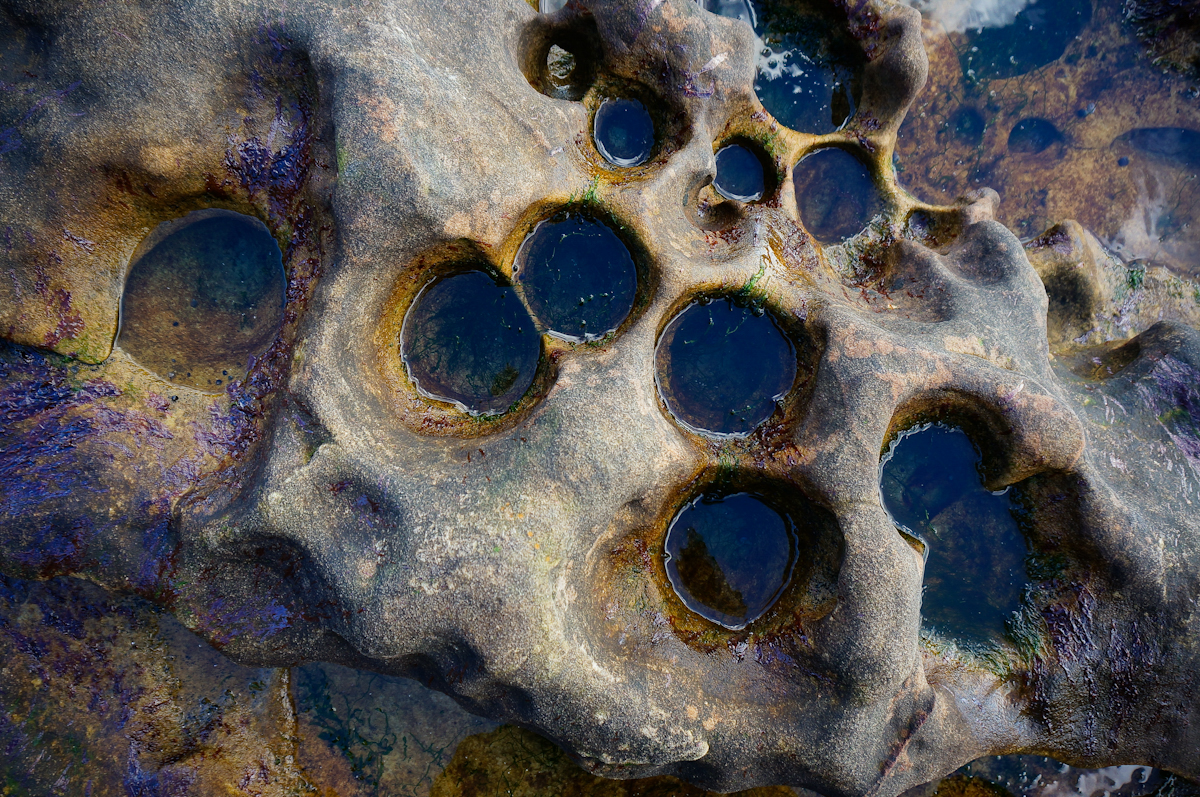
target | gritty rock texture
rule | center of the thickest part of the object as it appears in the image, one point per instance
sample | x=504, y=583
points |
x=106, y=695
x=321, y=508
x=511, y=761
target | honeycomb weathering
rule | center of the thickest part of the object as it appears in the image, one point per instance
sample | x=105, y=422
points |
x=322, y=507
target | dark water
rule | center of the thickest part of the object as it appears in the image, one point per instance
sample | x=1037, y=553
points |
x=1041, y=776
x=577, y=275
x=729, y=556
x=721, y=367
x=623, y=132
x=968, y=125
x=1032, y=135
x=1038, y=36
x=809, y=67
x=468, y=339
x=1176, y=145
x=739, y=174
x=206, y=298
x=835, y=194
x=975, y=566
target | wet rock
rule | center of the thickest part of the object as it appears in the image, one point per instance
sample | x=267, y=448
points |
x=513, y=761
x=1095, y=299
x=323, y=507
x=106, y=695
x=1098, y=133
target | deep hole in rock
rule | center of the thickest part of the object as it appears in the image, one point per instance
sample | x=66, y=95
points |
x=835, y=193
x=205, y=296
x=623, y=131
x=741, y=173
x=561, y=58
x=722, y=367
x=1033, y=135
x=932, y=228
x=1037, y=36
x=560, y=65
x=468, y=340
x=577, y=276
x=968, y=125
x=810, y=67
x=931, y=484
x=729, y=556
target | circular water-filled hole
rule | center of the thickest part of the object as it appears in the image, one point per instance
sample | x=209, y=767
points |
x=728, y=557
x=968, y=126
x=836, y=194
x=561, y=57
x=203, y=296
x=745, y=173
x=723, y=366
x=743, y=549
x=809, y=71
x=468, y=340
x=1033, y=135
x=623, y=131
x=1037, y=36
x=931, y=484
x=577, y=276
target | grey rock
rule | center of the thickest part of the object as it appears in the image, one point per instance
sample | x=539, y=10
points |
x=321, y=508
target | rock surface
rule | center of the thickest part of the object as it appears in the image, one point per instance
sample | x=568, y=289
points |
x=321, y=508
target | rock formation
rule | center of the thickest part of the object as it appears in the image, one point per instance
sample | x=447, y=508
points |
x=298, y=497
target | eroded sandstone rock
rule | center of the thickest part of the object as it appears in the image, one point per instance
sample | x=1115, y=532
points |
x=323, y=506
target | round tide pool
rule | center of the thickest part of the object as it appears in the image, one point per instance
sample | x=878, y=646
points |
x=729, y=557
x=468, y=340
x=577, y=275
x=722, y=367
x=740, y=174
x=623, y=132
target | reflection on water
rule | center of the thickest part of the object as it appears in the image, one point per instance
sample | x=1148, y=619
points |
x=1165, y=162
x=836, y=195
x=623, y=132
x=577, y=276
x=808, y=66
x=739, y=174
x=960, y=15
x=722, y=367
x=975, y=565
x=1037, y=35
x=468, y=340
x=729, y=557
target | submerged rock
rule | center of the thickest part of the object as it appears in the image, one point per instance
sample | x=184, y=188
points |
x=504, y=541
